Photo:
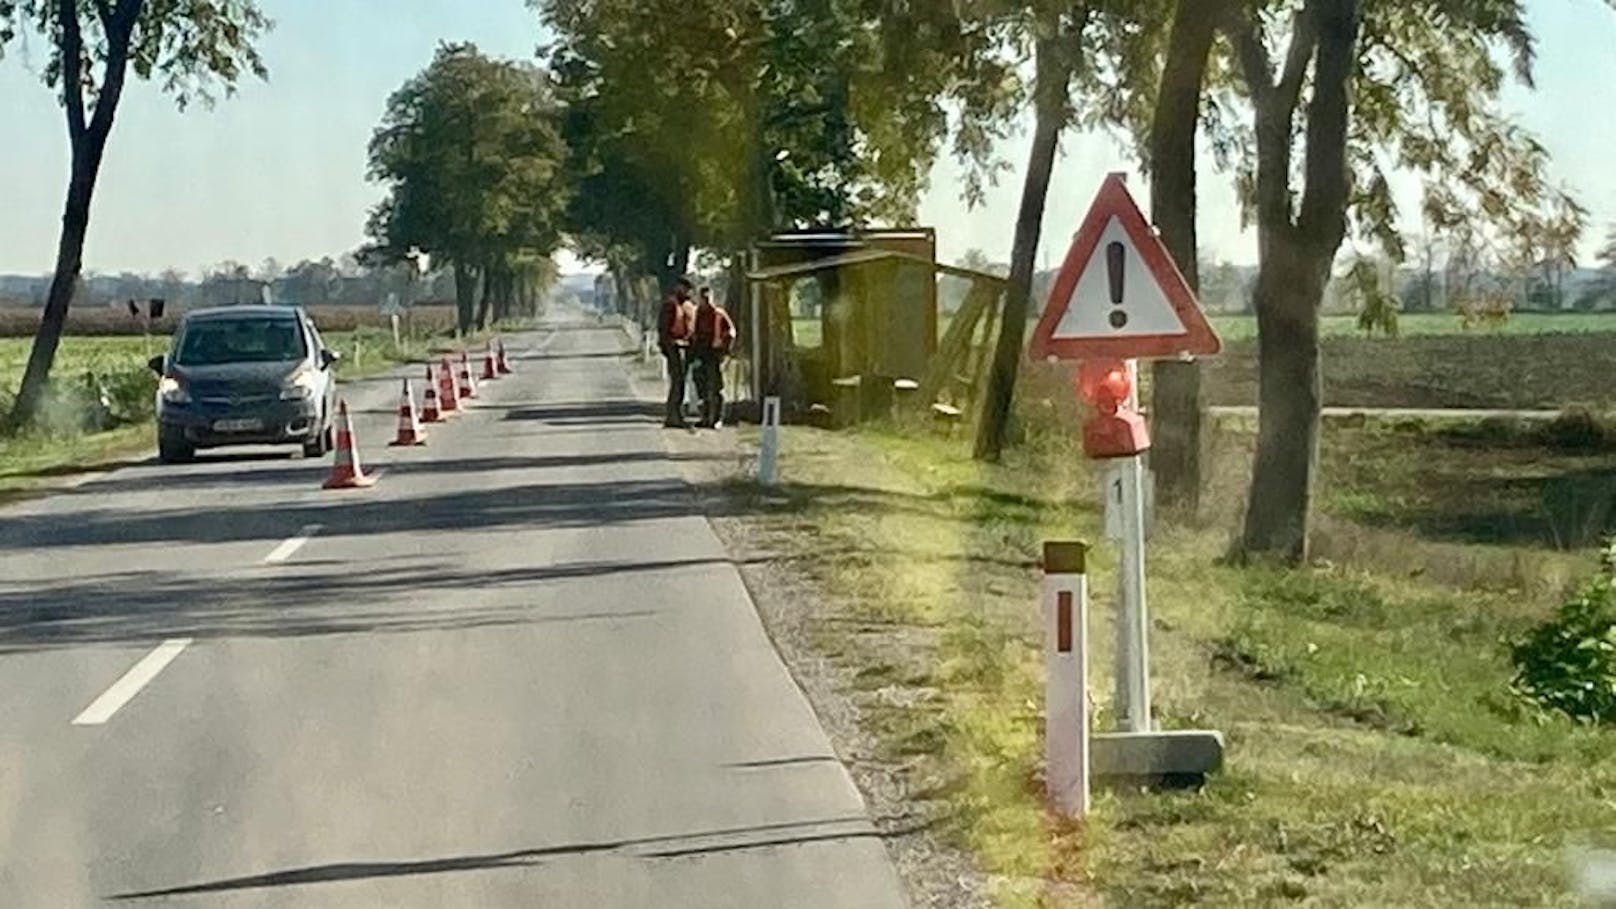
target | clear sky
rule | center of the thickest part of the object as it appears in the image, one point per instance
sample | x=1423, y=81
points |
x=278, y=170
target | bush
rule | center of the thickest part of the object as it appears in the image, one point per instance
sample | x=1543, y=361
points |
x=1577, y=429
x=1568, y=664
x=94, y=401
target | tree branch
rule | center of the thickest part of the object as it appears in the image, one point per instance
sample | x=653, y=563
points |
x=1304, y=38
x=1323, y=211
x=120, y=31
x=1255, y=65
x=72, y=68
x=1275, y=115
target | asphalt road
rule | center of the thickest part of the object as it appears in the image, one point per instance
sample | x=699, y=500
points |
x=517, y=672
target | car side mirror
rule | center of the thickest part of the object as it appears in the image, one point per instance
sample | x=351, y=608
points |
x=329, y=358
x=155, y=364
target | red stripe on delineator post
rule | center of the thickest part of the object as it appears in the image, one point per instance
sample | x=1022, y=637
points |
x=1066, y=699
x=1063, y=622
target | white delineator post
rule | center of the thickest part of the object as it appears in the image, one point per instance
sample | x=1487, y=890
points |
x=1066, y=662
x=1133, y=623
x=769, y=444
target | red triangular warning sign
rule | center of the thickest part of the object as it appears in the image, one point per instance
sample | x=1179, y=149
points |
x=1119, y=295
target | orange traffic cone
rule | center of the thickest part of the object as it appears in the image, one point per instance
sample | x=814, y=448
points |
x=346, y=473
x=502, y=364
x=409, y=424
x=490, y=370
x=447, y=398
x=468, y=382
x=429, y=401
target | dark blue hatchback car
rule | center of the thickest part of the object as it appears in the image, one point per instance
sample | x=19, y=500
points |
x=245, y=375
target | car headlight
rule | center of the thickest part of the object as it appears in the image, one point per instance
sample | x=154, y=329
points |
x=172, y=391
x=300, y=386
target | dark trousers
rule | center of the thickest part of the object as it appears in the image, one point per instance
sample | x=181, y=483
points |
x=708, y=367
x=675, y=357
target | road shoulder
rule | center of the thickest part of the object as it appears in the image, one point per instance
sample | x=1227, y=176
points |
x=814, y=633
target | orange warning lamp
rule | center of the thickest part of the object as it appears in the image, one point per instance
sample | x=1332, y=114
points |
x=1116, y=430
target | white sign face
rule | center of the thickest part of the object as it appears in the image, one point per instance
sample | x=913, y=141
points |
x=1117, y=296
x=390, y=305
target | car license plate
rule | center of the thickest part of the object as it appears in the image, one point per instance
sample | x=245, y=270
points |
x=238, y=425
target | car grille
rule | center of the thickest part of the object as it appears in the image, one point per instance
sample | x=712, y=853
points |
x=222, y=394
x=237, y=400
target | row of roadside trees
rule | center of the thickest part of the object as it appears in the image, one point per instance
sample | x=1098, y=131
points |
x=654, y=131
x=729, y=117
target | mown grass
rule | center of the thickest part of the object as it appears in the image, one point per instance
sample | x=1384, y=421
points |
x=1375, y=755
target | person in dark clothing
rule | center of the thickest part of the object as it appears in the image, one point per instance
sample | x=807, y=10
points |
x=711, y=337
x=673, y=339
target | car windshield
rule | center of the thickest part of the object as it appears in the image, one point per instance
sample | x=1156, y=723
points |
x=215, y=341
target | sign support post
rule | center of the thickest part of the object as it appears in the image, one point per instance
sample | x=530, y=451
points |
x=1133, y=620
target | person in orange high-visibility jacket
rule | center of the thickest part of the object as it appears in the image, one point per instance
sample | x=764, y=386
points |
x=712, y=336
x=673, y=339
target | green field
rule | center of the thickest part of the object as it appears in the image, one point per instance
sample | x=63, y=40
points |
x=1235, y=328
x=1244, y=327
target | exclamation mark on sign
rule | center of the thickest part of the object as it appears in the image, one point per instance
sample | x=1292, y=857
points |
x=1115, y=256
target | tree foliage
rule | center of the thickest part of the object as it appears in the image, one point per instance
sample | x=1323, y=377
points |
x=194, y=49
x=726, y=118
x=472, y=155
x=1604, y=284
x=1371, y=287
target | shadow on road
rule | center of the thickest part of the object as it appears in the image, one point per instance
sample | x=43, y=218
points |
x=583, y=355
x=532, y=505
x=309, y=472
x=599, y=412
x=334, y=599
x=733, y=839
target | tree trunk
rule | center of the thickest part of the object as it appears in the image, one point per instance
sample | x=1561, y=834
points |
x=465, y=280
x=489, y=277
x=622, y=292
x=1050, y=100
x=663, y=269
x=69, y=264
x=1289, y=394
x=89, y=143
x=681, y=258
x=503, y=300
x=1178, y=412
x=1295, y=267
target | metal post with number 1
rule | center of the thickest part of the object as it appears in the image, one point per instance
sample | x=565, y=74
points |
x=1133, y=622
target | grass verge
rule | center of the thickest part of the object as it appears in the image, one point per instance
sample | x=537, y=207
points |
x=1375, y=757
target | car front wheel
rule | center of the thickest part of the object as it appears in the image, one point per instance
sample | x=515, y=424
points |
x=172, y=448
x=321, y=444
